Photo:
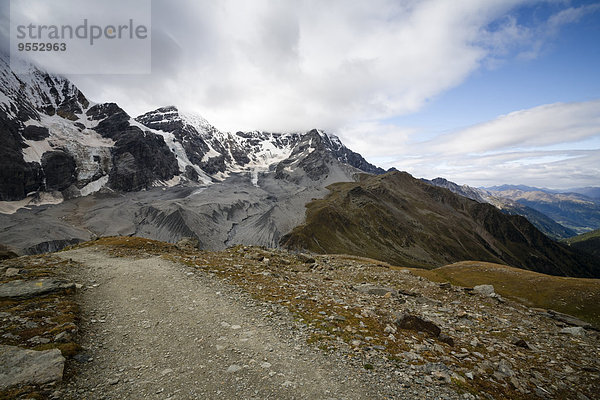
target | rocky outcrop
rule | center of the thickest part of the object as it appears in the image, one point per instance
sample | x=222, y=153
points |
x=140, y=159
x=51, y=246
x=29, y=367
x=33, y=132
x=59, y=170
x=24, y=289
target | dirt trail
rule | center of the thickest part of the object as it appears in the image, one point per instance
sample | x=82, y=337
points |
x=160, y=330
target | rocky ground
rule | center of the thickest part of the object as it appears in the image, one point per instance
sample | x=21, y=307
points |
x=158, y=321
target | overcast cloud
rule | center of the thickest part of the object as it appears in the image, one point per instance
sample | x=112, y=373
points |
x=346, y=66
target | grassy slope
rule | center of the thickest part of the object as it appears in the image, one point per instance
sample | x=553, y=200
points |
x=400, y=220
x=575, y=296
x=588, y=242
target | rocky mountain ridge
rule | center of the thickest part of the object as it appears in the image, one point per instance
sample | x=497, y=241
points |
x=58, y=141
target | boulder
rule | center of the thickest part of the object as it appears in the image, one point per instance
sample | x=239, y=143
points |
x=29, y=367
x=573, y=330
x=34, y=132
x=24, y=289
x=188, y=243
x=486, y=290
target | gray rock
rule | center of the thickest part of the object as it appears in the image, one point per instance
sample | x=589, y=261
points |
x=20, y=367
x=64, y=336
x=505, y=368
x=39, y=340
x=568, y=319
x=25, y=289
x=486, y=290
x=573, y=330
x=188, y=243
x=11, y=272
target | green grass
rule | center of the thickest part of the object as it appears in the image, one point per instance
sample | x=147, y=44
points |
x=583, y=237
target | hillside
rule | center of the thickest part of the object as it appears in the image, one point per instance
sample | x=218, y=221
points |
x=401, y=220
x=545, y=224
x=574, y=296
x=274, y=324
x=588, y=242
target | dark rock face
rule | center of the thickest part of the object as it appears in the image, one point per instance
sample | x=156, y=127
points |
x=191, y=173
x=113, y=120
x=342, y=153
x=139, y=159
x=13, y=169
x=196, y=144
x=59, y=170
x=33, y=132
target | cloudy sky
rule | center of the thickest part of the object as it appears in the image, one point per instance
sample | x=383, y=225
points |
x=480, y=92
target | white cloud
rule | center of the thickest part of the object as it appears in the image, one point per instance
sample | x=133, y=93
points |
x=295, y=65
x=554, y=145
x=347, y=66
x=540, y=126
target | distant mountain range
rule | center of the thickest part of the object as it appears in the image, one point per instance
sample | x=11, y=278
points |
x=574, y=211
x=589, y=191
x=558, y=215
x=72, y=170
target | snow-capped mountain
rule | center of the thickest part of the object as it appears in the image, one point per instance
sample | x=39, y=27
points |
x=56, y=141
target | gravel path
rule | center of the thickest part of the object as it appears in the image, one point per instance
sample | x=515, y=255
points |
x=160, y=330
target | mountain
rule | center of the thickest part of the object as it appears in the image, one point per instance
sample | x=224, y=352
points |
x=588, y=242
x=92, y=170
x=589, y=191
x=57, y=141
x=572, y=210
x=399, y=219
x=524, y=188
x=74, y=170
x=541, y=221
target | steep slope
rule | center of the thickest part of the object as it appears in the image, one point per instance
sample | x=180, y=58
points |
x=57, y=141
x=399, y=219
x=541, y=221
x=588, y=242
